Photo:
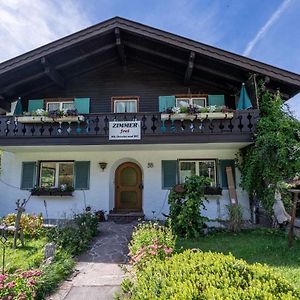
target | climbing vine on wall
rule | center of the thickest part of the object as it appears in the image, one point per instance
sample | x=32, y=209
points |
x=274, y=158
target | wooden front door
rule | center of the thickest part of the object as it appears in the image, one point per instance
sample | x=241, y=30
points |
x=128, y=188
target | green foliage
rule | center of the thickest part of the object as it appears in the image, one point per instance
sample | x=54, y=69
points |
x=54, y=273
x=235, y=213
x=275, y=155
x=76, y=236
x=198, y=275
x=185, y=205
x=31, y=224
x=150, y=241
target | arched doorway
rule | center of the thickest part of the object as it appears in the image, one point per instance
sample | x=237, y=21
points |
x=128, y=188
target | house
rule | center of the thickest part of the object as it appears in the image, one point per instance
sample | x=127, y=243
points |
x=114, y=115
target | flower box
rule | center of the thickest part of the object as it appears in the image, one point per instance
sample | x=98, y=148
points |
x=43, y=119
x=205, y=115
x=52, y=193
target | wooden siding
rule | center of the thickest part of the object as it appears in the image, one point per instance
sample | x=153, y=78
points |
x=134, y=79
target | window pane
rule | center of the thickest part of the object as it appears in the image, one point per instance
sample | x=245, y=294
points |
x=207, y=169
x=131, y=106
x=183, y=102
x=68, y=106
x=198, y=102
x=119, y=107
x=65, y=174
x=53, y=106
x=187, y=169
x=48, y=172
x=122, y=106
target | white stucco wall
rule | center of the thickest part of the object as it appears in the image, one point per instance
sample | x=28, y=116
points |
x=101, y=192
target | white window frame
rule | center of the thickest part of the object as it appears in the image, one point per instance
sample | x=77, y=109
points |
x=116, y=100
x=61, y=103
x=196, y=161
x=57, y=163
x=191, y=100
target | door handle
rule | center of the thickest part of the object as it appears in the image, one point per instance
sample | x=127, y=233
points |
x=141, y=186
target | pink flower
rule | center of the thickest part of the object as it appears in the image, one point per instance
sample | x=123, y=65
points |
x=22, y=296
x=168, y=250
x=2, y=277
x=152, y=252
x=11, y=284
x=154, y=246
x=31, y=282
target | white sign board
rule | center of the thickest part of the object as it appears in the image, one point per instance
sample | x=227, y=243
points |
x=125, y=130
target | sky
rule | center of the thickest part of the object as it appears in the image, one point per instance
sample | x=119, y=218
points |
x=265, y=30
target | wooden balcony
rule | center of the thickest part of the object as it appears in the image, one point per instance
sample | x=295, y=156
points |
x=93, y=129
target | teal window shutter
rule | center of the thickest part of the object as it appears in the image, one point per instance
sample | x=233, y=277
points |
x=35, y=104
x=222, y=172
x=28, y=178
x=82, y=105
x=169, y=173
x=218, y=100
x=82, y=175
x=165, y=102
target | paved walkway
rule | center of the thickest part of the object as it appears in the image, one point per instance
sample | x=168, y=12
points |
x=98, y=272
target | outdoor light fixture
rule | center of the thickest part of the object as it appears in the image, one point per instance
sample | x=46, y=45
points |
x=102, y=165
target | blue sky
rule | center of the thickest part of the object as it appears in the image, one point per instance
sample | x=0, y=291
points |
x=265, y=30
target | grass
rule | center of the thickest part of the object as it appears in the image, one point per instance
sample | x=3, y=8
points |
x=29, y=256
x=260, y=245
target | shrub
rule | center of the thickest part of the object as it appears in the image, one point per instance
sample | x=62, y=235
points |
x=76, y=236
x=185, y=205
x=199, y=275
x=19, y=285
x=235, y=213
x=31, y=224
x=150, y=240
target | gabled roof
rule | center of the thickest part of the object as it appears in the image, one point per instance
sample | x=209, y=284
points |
x=121, y=40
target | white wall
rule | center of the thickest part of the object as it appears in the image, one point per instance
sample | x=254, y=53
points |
x=101, y=193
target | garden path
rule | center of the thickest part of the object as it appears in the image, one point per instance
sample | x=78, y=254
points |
x=98, y=273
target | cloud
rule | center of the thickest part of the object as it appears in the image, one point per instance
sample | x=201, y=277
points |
x=27, y=24
x=264, y=29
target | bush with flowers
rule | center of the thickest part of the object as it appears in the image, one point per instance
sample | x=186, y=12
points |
x=151, y=240
x=20, y=285
x=31, y=224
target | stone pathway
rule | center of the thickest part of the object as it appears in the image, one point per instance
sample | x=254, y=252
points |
x=98, y=272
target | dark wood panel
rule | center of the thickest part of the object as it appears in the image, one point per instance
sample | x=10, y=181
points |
x=135, y=79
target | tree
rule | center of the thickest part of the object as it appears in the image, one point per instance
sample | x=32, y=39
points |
x=274, y=158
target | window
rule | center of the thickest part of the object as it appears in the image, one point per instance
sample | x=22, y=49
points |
x=125, y=105
x=205, y=168
x=56, y=174
x=197, y=101
x=53, y=106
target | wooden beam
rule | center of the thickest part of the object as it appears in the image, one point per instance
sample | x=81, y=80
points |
x=120, y=46
x=5, y=105
x=189, y=68
x=51, y=72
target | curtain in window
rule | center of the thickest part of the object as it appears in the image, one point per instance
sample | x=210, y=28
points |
x=120, y=107
x=131, y=106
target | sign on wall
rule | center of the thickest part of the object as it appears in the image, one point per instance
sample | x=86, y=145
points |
x=125, y=130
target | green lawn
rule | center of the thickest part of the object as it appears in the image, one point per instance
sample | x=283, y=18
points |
x=260, y=245
x=23, y=258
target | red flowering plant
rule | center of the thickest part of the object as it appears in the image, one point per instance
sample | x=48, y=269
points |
x=151, y=241
x=20, y=285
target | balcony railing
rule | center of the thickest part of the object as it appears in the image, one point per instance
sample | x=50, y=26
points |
x=155, y=128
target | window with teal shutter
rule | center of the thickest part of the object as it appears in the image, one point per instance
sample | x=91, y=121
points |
x=218, y=100
x=28, y=178
x=169, y=173
x=165, y=102
x=223, y=176
x=35, y=104
x=82, y=105
x=82, y=175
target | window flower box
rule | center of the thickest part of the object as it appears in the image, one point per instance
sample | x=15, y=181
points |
x=40, y=191
x=43, y=119
x=200, y=116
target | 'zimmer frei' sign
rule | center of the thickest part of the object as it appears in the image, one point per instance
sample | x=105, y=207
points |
x=125, y=130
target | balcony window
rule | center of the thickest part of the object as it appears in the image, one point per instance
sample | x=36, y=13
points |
x=125, y=105
x=56, y=174
x=206, y=168
x=196, y=101
x=53, y=106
